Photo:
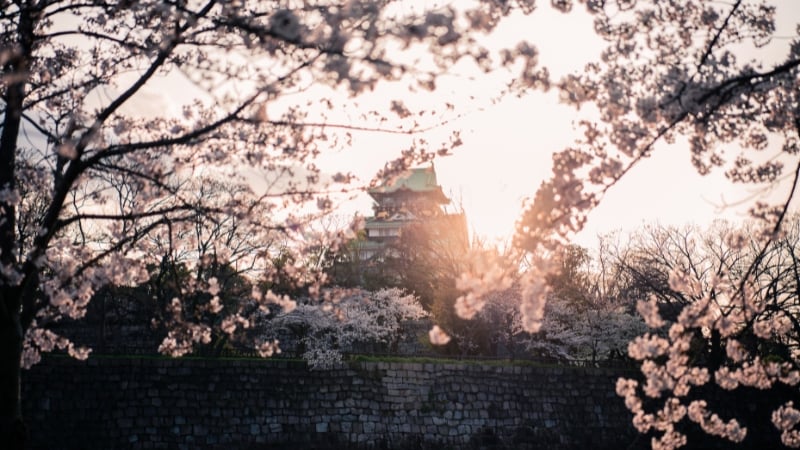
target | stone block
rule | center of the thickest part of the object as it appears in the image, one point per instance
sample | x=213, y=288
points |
x=124, y=423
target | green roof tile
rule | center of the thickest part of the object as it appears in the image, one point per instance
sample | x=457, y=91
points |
x=418, y=180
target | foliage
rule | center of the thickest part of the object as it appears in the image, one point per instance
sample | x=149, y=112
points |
x=139, y=318
x=425, y=260
x=116, y=169
x=104, y=180
x=500, y=316
x=671, y=73
x=588, y=316
x=599, y=332
x=712, y=334
x=472, y=281
x=324, y=331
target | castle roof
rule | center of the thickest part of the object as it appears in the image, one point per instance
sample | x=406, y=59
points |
x=419, y=180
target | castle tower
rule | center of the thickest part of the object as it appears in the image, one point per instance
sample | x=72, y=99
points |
x=413, y=198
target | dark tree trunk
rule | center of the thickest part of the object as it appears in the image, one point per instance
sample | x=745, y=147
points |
x=10, y=306
x=12, y=429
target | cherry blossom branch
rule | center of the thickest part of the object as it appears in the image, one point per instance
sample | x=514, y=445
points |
x=297, y=41
x=155, y=179
x=76, y=168
x=62, y=223
x=74, y=6
x=645, y=151
x=99, y=36
x=161, y=58
x=121, y=243
x=50, y=136
x=198, y=133
x=87, y=84
x=744, y=79
x=775, y=230
x=348, y=127
x=710, y=46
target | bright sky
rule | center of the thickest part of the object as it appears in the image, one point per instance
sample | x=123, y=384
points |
x=508, y=146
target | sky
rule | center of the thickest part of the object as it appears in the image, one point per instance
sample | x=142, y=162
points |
x=508, y=144
x=508, y=147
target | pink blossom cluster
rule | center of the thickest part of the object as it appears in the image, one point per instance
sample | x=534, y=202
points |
x=487, y=273
x=712, y=424
x=786, y=418
x=39, y=340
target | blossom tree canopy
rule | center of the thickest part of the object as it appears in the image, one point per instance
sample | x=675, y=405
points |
x=325, y=331
x=704, y=338
x=91, y=169
x=670, y=72
x=91, y=180
x=680, y=74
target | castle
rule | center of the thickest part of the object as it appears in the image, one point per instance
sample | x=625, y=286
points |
x=412, y=199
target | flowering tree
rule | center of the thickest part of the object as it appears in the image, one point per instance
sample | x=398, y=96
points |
x=480, y=303
x=325, y=330
x=593, y=333
x=501, y=316
x=701, y=333
x=588, y=315
x=207, y=264
x=660, y=81
x=77, y=79
x=670, y=73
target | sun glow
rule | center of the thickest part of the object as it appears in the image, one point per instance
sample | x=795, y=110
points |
x=509, y=141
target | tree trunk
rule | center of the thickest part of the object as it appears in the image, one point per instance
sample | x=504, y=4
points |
x=12, y=429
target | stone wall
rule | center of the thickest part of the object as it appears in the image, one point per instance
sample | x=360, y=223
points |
x=189, y=403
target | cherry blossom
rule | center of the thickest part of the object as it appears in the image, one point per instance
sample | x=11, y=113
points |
x=733, y=298
x=100, y=179
x=437, y=336
x=326, y=330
